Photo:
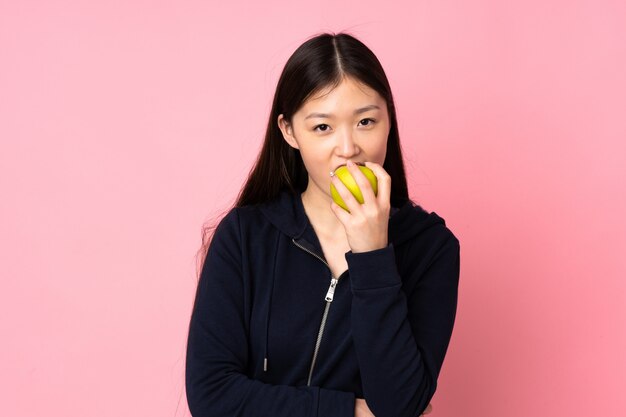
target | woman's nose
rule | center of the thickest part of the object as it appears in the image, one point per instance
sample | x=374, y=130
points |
x=346, y=145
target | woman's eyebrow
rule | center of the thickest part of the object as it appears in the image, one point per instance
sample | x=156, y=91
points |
x=357, y=111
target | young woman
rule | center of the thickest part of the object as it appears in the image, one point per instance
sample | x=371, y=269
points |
x=304, y=308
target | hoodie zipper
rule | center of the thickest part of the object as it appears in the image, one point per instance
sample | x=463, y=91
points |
x=329, y=299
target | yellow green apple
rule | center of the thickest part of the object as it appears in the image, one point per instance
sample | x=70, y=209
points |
x=343, y=173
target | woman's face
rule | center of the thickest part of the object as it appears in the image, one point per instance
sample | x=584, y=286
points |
x=349, y=122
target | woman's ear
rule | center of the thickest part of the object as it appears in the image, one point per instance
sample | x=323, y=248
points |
x=287, y=130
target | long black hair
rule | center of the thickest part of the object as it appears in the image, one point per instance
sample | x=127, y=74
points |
x=319, y=63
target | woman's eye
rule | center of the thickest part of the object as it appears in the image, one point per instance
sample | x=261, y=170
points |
x=325, y=127
x=322, y=130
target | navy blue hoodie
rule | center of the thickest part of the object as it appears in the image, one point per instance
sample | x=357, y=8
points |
x=274, y=334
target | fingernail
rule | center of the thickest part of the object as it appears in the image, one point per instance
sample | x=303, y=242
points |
x=350, y=163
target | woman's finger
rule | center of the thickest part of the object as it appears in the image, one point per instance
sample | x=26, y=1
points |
x=384, y=183
x=429, y=408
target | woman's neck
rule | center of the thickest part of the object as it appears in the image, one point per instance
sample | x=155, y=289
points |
x=317, y=207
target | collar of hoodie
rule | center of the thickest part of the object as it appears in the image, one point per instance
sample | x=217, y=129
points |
x=286, y=212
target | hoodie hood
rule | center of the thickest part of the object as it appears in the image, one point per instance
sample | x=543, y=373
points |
x=286, y=212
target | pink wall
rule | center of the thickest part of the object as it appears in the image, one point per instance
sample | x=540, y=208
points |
x=125, y=125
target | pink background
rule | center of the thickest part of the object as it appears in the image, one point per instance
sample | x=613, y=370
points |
x=126, y=125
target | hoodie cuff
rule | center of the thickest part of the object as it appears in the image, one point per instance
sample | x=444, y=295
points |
x=335, y=403
x=373, y=269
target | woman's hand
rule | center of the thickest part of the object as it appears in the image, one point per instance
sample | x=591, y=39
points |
x=366, y=224
x=362, y=410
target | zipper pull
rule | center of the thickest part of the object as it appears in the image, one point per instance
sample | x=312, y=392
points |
x=331, y=290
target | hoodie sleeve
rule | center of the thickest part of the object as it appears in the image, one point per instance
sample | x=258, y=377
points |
x=401, y=341
x=217, y=348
